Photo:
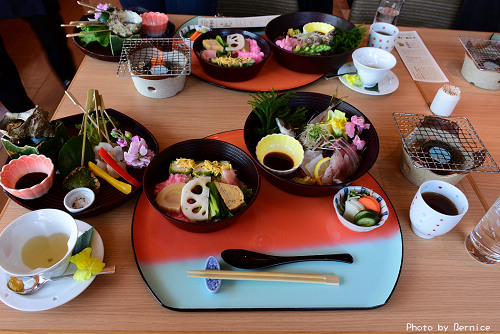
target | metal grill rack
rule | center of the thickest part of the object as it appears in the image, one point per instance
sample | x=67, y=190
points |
x=153, y=57
x=443, y=144
x=484, y=52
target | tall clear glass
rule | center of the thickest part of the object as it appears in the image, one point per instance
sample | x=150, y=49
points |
x=483, y=243
x=388, y=11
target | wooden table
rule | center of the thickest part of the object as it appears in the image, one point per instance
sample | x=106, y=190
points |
x=439, y=285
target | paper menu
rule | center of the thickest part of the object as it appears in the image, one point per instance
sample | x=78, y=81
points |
x=417, y=58
x=235, y=22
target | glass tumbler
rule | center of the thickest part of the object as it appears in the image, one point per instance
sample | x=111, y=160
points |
x=388, y=11
x=483, y=243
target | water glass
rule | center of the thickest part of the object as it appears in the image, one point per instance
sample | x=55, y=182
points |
x=388, y=11
x=483, y=243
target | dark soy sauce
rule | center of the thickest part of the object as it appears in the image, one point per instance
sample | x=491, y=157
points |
x=383, y=33
x=30, y=179
x=278, y=161
x=440, y=203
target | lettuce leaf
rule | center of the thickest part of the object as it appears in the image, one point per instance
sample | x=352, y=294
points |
x=102, y=38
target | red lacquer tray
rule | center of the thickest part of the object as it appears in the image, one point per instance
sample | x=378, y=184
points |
x=277, y=223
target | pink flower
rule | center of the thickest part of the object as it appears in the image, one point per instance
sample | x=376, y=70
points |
x=101, y=6
x=121, y=142
x=358, y=143
x=138, y=154
x=360, y=123
x=350, y=129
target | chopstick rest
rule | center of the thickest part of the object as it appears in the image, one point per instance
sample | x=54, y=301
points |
x=266, y=276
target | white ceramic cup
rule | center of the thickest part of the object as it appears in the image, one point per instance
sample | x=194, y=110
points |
x=44, y=223
x=372, y=64
x=426, y=222
x=382, y=36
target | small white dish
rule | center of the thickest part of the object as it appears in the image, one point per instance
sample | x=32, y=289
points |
x=79, y=199
x=341, y=196
x=55, y=293
x=387, y=85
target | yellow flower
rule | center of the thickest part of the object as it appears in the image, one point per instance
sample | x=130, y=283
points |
x=353, y=79
x=337, y=122
x=86, y=265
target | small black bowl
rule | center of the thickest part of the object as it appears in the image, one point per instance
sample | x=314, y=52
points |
x=232, y=74
x=277, y=28
x=314, y=102
x=202, y=149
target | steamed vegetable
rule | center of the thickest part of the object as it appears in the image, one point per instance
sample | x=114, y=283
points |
x=122, y=172
x=121, y=186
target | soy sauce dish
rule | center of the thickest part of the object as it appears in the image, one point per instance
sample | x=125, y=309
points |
x=28, y=177
x=280, y=154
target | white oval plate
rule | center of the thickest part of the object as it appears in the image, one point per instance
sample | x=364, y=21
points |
x=56, y=293
x=387, y=85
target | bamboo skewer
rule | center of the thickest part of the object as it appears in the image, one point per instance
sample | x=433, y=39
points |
x=90, y=6
x=76, y=103
x=74, y=23
x=79, y=25
x=85, y=32
x=265, y=276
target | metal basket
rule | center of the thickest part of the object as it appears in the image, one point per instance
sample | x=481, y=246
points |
x=484, y=52
x=447, y=144
x=158, y=66
x=151, y=57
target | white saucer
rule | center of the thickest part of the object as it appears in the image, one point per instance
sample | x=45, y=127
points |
x=387, y=85
x=56, y=293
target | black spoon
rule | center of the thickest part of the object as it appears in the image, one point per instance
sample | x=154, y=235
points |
x=246, y=259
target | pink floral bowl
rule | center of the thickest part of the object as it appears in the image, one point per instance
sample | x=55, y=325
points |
x=24, y=165
x=154, y=24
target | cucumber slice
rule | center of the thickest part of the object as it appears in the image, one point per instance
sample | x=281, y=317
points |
x=201, y=171
x=176, y=169
x=366, y=218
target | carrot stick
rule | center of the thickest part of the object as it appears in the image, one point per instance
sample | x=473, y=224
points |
x=195, y=35
x=122, y=172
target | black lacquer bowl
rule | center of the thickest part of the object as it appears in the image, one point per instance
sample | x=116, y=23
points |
x=277, y=28
x=314, y=102
x=231, y=73
x=202, y=149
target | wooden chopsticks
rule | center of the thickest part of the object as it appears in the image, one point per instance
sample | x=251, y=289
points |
x=265, y=276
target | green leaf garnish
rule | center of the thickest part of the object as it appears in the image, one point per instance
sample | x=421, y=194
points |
x=83, y=241
x=269, y=105
x=100, y=37
x=343, y=41
x=373, y=89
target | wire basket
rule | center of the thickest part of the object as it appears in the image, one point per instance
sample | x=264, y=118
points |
x=447, y=144
x=153, y=57
x=484, y=52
